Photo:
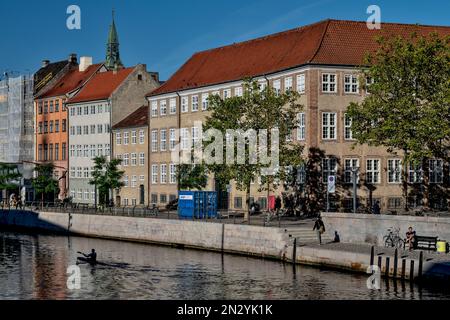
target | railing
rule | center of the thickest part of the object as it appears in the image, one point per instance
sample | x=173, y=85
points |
x=264, y=219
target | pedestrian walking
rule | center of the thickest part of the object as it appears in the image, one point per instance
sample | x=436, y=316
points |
x=376, y=208
x=278, y=205
x=319, y=226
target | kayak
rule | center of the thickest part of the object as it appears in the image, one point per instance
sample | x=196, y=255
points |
x=87, y=260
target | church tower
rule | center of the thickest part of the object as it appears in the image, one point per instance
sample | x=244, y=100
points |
x=113, y=61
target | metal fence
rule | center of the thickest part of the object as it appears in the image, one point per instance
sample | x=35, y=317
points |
x=265, y=219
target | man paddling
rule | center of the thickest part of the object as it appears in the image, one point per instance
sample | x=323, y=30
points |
x=91, y=257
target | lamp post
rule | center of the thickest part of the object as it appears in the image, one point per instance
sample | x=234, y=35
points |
x=355, y=171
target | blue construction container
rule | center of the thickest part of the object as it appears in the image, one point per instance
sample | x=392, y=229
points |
x=197, y=204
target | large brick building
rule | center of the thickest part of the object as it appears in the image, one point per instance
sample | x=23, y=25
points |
x=321, y=61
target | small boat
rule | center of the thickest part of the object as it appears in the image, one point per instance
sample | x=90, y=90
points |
x=87, y=260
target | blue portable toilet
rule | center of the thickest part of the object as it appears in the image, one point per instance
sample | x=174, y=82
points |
x=197, y=204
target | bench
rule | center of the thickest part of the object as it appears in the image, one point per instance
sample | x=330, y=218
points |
x=427, y=243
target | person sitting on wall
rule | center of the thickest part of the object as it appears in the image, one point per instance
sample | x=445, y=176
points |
x=410, y=238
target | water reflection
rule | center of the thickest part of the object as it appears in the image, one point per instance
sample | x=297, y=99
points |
x=34, y=267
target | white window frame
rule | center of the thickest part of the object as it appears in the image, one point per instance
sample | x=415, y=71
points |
x=329, y=168
x=134, y=159
x=134, y=137
x=194, y=105
x=329, y=130
x=277, y=86
x=173, y=174
x=351, y=84
x=154, y=109
x=184, y=104
x=348, y=134
x=118, y=139
x=238, y=92
x=301, y=130
x=329, y=82
x=205, y=102
x=154, y=142
x=141, y=136
x=288, y=84
x=373, y=171
x=173, y=106
x=301, y=84
x=163, y=171
x=436, y=171
x=172, y=139
x=126, y=138
x=163, y=108
x=142, y=159
x=154, y=174
x=349, y=164
x=415, y=173
x=163, y=140
x=394, y=171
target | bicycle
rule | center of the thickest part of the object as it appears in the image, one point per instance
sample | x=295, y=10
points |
x=393, y=239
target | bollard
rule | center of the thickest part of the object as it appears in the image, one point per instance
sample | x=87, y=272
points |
x=395, y=263
x=403, y=268
x=420, y=265
x=294, y=252
x=388, y=265
x=372, y=255
x=411, y=273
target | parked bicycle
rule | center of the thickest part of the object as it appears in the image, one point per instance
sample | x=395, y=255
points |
x=393, y=239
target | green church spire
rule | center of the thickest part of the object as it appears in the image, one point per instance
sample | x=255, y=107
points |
x=112, y=48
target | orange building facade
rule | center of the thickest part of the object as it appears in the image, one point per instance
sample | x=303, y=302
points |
x=52, y=137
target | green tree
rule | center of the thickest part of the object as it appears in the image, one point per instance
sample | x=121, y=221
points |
x=106, y=177
x=408, y=106
x=192, y=177
x=45, y=184
x=9, y=177
x=257, y=109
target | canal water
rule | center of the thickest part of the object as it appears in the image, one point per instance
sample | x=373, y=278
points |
x=35, y=267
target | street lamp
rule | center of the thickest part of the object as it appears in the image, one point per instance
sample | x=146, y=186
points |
x=355, y=171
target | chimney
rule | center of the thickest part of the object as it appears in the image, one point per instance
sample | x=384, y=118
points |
x=73, y=58
x=45, y=63
x=85, y=62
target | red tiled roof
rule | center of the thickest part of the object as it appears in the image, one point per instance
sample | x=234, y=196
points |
x=139, y=118
x=335, y=42
x=101, y=86
x=73, y=80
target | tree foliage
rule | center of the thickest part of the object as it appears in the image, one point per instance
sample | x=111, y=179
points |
x=257, y=109
x=408, y=106
x=106, y=177
x=44, y=183
x=192, y=177
x=9, y=176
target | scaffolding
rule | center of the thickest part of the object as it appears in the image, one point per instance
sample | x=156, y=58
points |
x=16, y=119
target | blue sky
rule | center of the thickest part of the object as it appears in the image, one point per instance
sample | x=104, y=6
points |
x=163, y=34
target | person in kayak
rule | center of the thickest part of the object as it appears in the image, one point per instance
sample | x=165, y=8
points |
x=92, y=257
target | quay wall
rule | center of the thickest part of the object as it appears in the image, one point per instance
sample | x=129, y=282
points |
x=369, y=228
